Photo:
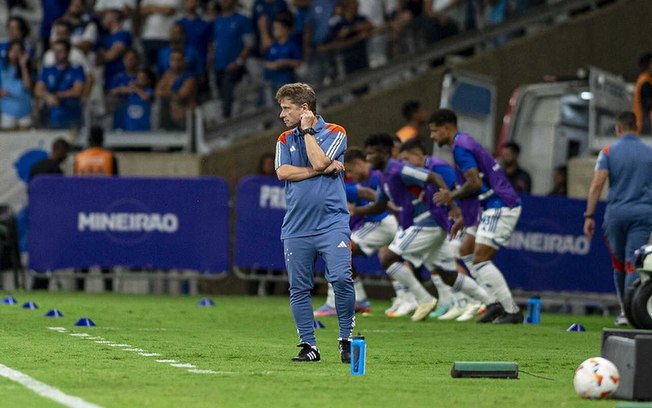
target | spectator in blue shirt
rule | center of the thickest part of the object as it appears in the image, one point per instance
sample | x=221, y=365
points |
x=61, y=87
x=348, y=36
x=139, y=94
x=263, y=14
x=17, y=30
x=178, y=42
x=316, y=34
x=112, y=45
x=177, y=90
x=16, y=88
x=120, y=87
x=284, y=55
x=197, y=30
x=232, y=44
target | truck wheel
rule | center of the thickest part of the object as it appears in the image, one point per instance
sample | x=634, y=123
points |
x=642, y=306
x=627, y=302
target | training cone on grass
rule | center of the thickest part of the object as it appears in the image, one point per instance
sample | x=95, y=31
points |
x=575, y=327
x=205, y=302
x=85, y=321
x=29, y=305
x=54, y=313
x=318, y=325
x=9, y=300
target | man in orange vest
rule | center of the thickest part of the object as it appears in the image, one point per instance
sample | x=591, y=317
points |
x=96, y=160
x=642, y=104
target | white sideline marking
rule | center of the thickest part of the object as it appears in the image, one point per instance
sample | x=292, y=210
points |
x=44, y=390
x=100, y=340
x=197, y=371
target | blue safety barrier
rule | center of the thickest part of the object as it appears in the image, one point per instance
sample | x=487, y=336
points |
x=78, y=222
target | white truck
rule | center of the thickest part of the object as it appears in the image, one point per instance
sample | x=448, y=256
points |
x=551, y=121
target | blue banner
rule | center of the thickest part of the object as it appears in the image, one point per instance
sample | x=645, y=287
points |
x=548, y=251
x=259, y=211
x=77, y=222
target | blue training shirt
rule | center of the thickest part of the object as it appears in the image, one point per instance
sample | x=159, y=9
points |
x=404, y=185
x=629, y=163
x=318, y=204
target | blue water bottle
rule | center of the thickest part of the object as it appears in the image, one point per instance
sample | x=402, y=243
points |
x=533, y=311
x=358, y=355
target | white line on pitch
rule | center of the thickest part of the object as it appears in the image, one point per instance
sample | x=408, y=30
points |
x=184, y=365
x=44, y=390
x=166, y=361
x=149, y=354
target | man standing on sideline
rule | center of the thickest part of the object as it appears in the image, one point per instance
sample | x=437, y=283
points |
x=309, y=158
x=49, y=165
x=517, y=176
x=52, y=163
x=500, y=210
x=627, y=225
x=96, y=161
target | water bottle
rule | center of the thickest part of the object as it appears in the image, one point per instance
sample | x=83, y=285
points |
x=358, y=355
x=533, y=311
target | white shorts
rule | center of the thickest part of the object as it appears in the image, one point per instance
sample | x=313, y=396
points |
x=374, y=235
x=12, y=122
x=423, y=246
x=496, y=226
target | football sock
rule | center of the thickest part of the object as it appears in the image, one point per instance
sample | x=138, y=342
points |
x=330, y=297
x=406, y=278
x=490, y=277
x=360, y=293
x=467, y=260
x=471, y=288
x=401, y=291
x=444, y=292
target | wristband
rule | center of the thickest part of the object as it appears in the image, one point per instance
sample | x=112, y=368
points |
x=587, y=215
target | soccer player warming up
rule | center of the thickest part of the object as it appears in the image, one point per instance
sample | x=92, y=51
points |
x=309, y=158
x=501, y=208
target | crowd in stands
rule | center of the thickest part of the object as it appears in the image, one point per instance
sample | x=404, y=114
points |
x=121, y=61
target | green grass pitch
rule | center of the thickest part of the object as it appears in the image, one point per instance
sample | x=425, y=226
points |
x=247, y=343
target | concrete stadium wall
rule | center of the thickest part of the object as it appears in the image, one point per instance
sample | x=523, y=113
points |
x=611, y=38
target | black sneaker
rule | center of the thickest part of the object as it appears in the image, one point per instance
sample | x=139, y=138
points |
x=307, y=353
x=345, y=350
x=493, y=311
x=509, y=318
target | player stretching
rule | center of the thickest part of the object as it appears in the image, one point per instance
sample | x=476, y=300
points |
x=501, y=208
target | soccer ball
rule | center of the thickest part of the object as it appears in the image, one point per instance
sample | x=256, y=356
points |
x=596, y=378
